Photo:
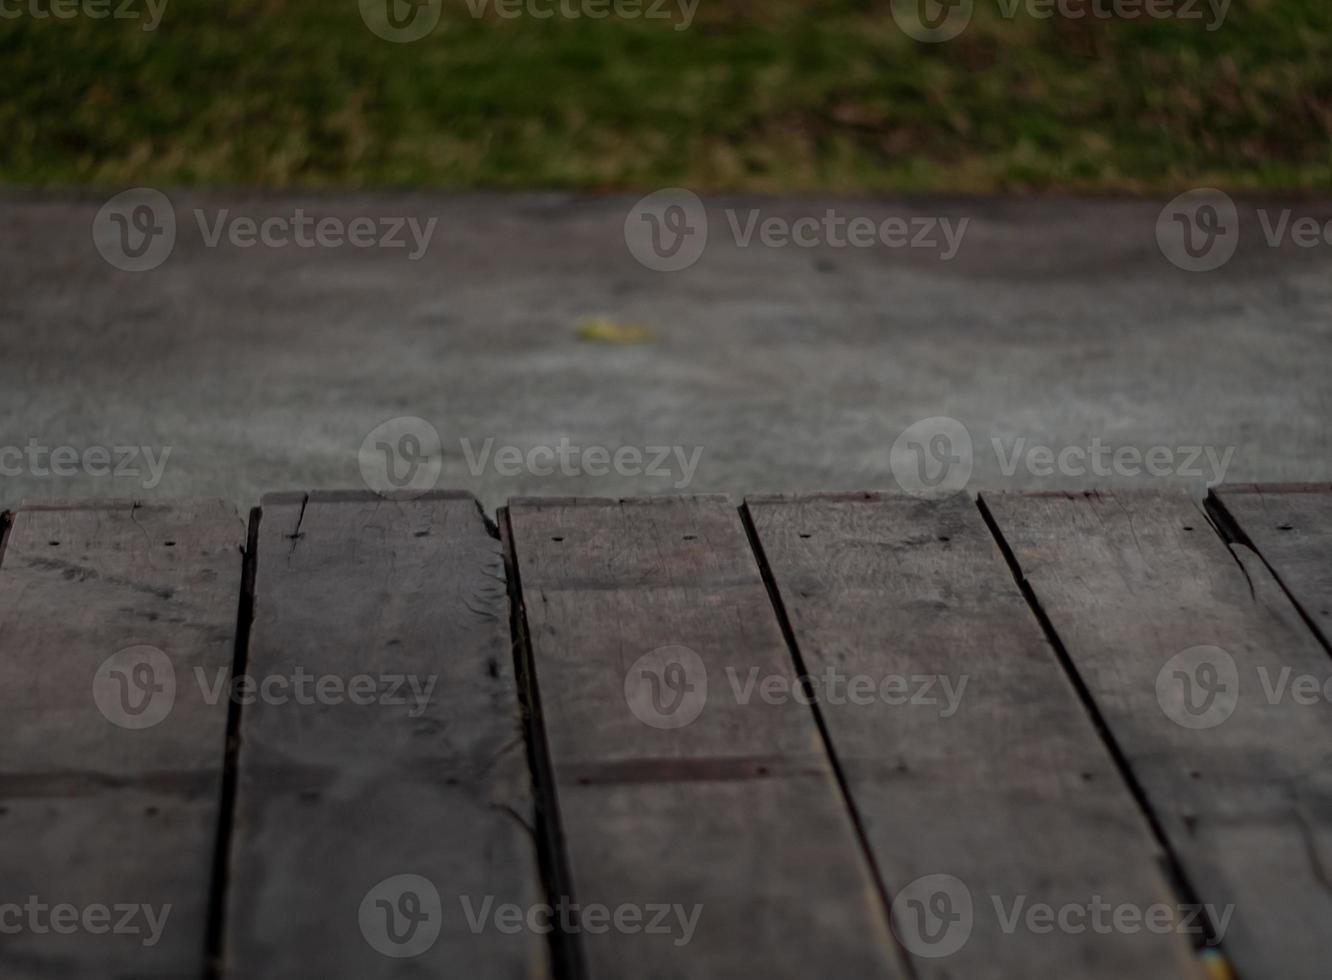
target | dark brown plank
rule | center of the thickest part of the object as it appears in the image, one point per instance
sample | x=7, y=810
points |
x=1154, y=608
x=734, y=811
x=100, y=805
x=1291, y=527
x=336, y=797
x=970, y=760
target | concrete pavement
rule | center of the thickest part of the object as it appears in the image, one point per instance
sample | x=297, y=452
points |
x=1057, y=336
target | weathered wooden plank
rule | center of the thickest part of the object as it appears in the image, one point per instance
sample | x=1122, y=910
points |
x=1291, y=528
x=1181, y=641
x=673, y=792
x=972, y=764
x=111, y=756
x=423, y=773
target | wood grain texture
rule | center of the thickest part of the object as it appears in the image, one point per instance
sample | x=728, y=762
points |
x=92, y=812
x=335, y=797
x=1130, y=582
x=964, y=746
x=736, y=812
x=1291, y=528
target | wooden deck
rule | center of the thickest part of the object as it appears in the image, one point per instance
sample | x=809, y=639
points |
x=853, y=735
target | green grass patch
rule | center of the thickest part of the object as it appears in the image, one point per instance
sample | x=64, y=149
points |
x=768, y=95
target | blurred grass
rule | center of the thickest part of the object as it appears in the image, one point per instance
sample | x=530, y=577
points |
x=756, y=94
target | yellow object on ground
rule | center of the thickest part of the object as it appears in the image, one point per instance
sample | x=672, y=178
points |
x=1216, y=966
x=604, y=330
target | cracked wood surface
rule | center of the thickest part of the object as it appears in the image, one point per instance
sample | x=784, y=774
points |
x=1142, y=594
x=333, y=799
x=734, y=808
x=1291, y=527
x=91, y=811
x=981, y=764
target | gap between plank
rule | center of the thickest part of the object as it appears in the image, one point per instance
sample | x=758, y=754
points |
x=6, y=522
x=1174, y=869
x=802, y=673
x=566, y=951
x=1232, y=534
x=215, y=933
